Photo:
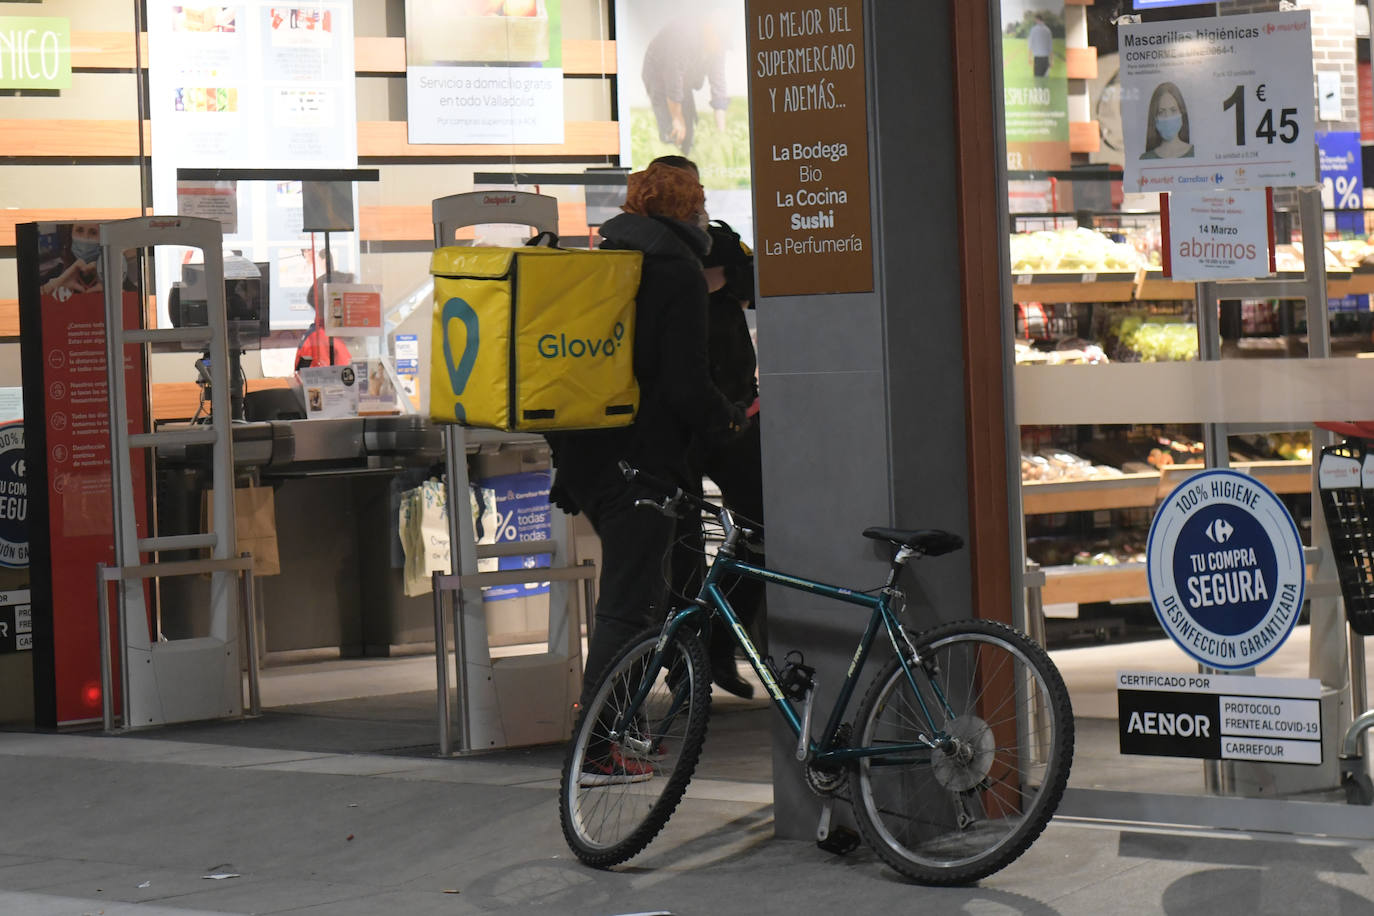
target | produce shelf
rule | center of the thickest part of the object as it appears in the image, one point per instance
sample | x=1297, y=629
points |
x=1088, y=584
x=1151, y=286
x=1117, y=286
x=1132, y=491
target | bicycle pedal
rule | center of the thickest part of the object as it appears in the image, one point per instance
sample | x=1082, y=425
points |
x=840, y=841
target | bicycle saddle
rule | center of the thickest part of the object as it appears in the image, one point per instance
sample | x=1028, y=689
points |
x=930, y=541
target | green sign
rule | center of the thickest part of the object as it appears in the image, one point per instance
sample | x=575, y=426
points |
x=35, y=53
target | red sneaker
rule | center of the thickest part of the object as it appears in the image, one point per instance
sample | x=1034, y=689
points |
x=615, y=769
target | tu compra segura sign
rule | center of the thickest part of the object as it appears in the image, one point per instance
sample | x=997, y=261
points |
x=1226, y=571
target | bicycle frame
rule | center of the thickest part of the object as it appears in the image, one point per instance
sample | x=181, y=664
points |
x=819, y=751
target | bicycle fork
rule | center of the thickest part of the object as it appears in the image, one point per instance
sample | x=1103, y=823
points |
x=622, y=723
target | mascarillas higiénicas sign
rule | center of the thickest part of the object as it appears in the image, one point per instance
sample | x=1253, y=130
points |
x=810, y=143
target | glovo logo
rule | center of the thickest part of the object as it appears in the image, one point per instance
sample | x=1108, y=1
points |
x=558, y=346
x=458, y=373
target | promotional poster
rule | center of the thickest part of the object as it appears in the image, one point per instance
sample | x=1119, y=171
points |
x=484, y=71
x=1036, y=82
x=684, y=91
x=253, y=85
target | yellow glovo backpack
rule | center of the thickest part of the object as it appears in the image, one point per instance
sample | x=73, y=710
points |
x=533, y=339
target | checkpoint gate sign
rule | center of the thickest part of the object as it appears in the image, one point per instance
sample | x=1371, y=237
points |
x=1225, y=567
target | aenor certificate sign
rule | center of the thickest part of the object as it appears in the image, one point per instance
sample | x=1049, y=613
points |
x=1221, y=103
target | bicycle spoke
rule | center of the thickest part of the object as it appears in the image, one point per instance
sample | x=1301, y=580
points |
x=968, y=807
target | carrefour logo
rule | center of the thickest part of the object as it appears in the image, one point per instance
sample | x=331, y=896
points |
x=1226, y=569
x=559, y=346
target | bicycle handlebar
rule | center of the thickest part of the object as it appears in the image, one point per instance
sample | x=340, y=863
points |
x=671, y=493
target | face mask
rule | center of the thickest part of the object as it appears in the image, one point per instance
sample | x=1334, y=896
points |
x=703, y=221
x=1169, y=126
x=85, y=250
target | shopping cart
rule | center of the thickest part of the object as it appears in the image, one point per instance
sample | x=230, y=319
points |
x=1345, y=481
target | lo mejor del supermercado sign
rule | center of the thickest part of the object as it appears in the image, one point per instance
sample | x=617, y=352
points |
x=1225, y=567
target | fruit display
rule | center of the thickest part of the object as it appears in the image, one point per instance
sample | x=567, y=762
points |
x=1290, y=258
x=1153, y=340
x=1086, y=551
x=1292, y=446
x=1057, y=464
x=1068, y=352
x=1352, y=253
x=1071, y=250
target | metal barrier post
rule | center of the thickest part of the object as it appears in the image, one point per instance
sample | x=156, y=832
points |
x=441, y=667
x=122, y=642
x=589, y=600
x=460, y=659
x=106, y=680
x=248, y=602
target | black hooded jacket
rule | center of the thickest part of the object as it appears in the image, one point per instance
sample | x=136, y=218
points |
x=677, y=398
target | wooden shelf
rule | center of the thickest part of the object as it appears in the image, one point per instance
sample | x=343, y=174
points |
x=1151, y=285
x=1136, y=491
x=372, y=54
x=93, y=138
x=1087, y=584
x=1117, y=286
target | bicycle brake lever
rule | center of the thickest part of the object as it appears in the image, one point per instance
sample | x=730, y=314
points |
x=665, y=507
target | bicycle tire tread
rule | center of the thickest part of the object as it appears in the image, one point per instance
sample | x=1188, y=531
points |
x=1046, y=804
x=692, y=742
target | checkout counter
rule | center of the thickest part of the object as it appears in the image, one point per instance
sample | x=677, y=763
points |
x=336, y=485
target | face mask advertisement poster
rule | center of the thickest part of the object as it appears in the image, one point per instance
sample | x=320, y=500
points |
x=1036, y=85
x=684, y=91
x=62, y=331
x=484, y=71
x=1224, y=102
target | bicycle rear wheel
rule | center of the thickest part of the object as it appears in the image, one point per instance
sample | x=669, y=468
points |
x=956, y=815
x=617, y=795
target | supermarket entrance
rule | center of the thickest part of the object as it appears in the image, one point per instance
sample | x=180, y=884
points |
x=1128, y=380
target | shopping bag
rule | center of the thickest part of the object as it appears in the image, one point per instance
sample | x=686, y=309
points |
x=423, y=526
x=255, y=526
x=533, y=338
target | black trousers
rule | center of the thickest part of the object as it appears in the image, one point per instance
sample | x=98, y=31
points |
x=737, y=469
x=635, y=543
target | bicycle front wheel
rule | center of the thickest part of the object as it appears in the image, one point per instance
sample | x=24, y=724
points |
x=958, y=813
x=617, y=794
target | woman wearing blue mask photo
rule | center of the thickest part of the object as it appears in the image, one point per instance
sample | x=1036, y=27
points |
x=1166, y=125
x=82, y=275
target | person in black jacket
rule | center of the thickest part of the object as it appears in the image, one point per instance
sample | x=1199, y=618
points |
x=664, y=218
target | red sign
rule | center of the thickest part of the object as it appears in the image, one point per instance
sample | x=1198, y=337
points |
x=76, y=459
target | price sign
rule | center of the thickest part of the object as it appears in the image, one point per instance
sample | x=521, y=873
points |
x=1222, y=103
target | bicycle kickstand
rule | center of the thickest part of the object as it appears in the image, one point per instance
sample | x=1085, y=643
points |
x=840, y=840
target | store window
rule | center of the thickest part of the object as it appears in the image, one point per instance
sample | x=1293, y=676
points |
x=1144, y=356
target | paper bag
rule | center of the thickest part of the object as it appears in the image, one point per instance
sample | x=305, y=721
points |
x=255, y=526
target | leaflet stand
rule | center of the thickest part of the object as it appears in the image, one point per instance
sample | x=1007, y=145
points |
x=521, y=700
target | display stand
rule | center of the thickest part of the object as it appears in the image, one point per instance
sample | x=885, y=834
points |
x=521, y=700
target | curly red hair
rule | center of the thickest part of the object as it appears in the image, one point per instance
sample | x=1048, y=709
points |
x=661, y=190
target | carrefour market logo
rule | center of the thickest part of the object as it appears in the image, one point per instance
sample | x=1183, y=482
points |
x=561, y=346
x=1226, y=569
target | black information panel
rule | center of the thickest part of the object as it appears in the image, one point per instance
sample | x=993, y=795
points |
x=16, y=622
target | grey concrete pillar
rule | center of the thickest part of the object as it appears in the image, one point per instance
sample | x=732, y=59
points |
x=864, y=400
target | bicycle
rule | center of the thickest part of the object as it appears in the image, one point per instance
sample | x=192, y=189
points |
x=960, y=755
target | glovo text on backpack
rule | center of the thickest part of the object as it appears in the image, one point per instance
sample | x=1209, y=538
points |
x=534, y=338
